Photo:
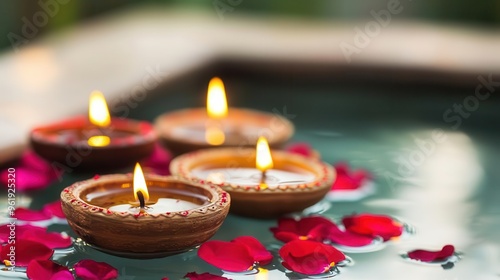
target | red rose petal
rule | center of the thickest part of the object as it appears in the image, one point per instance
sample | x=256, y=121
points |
x=159, y=160
x=287, y=236
x=349, y=181
x=26, y=214
x=92, y=270
x=27, y=179
x=304, y=149
x=47, y=270
x=347, y=238
x=373, y=225
x=229, y=256
x=308, y=265
x=290, y=229
x=18, y=231
x=429, y=256
x=309, y=257
x=32, y=173
x=53, y=240
x=204, y=276
x=259, y=253
x=54, y=209
x=26, y=251
x=32, y=160
x=300, y=148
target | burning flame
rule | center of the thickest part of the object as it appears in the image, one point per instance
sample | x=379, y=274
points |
x=263, y=160
x=216, y=110
x=99, y=116
x=140, y=183
x=98, y=110
x=216, y=99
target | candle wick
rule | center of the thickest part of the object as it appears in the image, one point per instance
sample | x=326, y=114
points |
x=263, y=177
x=142, y=202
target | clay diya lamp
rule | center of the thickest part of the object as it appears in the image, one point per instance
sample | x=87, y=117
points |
x=97, y=142
x=261, y=185
x=145, y=216
x=217, y=126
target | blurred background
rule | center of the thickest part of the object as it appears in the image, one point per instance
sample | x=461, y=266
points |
x=53, y=53
x=483, y=14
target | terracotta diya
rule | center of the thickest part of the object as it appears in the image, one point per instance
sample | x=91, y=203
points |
x=261, y=184
x=96, y=142
x=144, y=217
x=217, y=126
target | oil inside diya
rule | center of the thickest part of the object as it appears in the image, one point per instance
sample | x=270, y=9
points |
x=97, y=142
x=215, y=126
x=177, y=214
x=292, y=184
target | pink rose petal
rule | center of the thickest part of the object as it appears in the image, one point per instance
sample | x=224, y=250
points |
x=229, y=256
x=259, y=253
x=92, y=270
x=48, y=211
x=159, y=161
x=32, y=173
x=304, y=149
x=54, y=209
x=18, y=231
x=31, y=159
x=47, y=270
x=204, y=276
x=430, y=256
x=53, y=240
x=26, y=251
x=27, y=179
x=26, y=214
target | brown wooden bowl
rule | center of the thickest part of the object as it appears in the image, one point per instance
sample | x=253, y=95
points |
x=65, y=144
x=143, y=235
x=184, y=130
x=250, y=199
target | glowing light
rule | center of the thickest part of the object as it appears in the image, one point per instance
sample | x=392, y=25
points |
x=263, y=160
x=216, y=99
x=99, y=141
x=98, y=110
x=140, y=183
x=262, y=275
x=214, y=135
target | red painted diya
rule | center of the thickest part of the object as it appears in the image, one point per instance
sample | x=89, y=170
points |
x=266, y=188
x=217, y=126
x=98, y=142
x=172, y=216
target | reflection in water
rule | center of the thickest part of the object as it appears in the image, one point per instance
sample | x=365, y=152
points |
x=262, y=275
x=440, y=197
x=446, y=180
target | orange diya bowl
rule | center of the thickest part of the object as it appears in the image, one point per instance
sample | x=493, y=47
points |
x=68, y=144
x=102, y=213
x=293, y=184
x=219, y=126
x=186, y=130
x=97, y=142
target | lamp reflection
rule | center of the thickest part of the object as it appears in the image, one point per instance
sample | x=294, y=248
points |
x=448, y=177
